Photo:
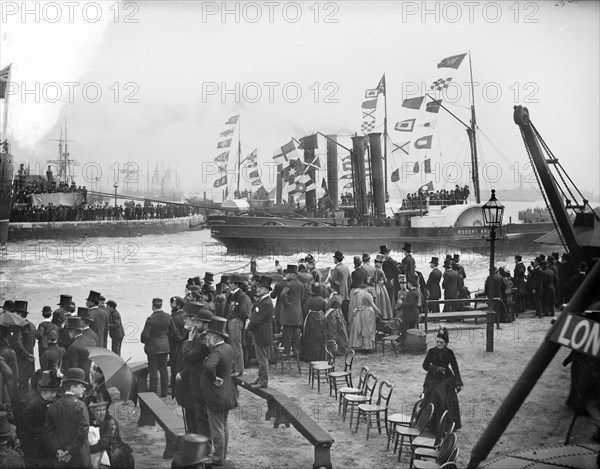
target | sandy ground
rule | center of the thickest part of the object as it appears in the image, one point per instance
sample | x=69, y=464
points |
x=254, y=443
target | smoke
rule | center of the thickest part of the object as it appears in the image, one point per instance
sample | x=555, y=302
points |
x=45, y=55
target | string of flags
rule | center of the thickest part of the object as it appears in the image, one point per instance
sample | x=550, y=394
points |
x=294, y=169
x=223, y=157
x=369, y=107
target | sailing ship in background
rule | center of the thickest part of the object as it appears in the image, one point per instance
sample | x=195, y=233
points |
x=375, y=170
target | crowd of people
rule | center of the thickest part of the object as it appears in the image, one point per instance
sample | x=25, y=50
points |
x=417, y=200
x=208, y=334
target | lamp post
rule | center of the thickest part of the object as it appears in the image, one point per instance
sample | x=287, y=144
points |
x=493, y=212
x=115, y=185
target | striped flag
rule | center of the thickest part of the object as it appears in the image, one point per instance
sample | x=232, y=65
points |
x=226, y=133
x=224, y=144
x=232, y=120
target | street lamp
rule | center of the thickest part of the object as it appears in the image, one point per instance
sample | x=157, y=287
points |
x=493, y=212
x=115, y=185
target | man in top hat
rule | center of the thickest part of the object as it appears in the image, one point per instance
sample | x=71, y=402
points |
x=194, y=351
x=519, y=283
x=217, y=388
x=177, y=304
x=23, y=343
x=261, y=327
x=10, y=457
x=67, y=423
x=99, y=316
x=449, y=284
x=52, y=357
x=534, y=282
x=209, y=278
x=460, y=268
x=549, y=283
x=77, y=355
x=408, y=262
x=553, y=265
x=340, y=273
x=37, y=454
x=391, y=270
x=220, y=299
x=84, y=313
x=41, y=330
x=64, y=305
x=158, y=330
x=291, y=309
x=433, y=284
x=409, y=309
x=238, y=310
x=115, y=327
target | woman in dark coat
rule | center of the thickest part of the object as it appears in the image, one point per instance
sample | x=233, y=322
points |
x=442, y=381
x=314, y=332
x=119, y=453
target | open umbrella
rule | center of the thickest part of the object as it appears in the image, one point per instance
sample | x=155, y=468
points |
x=116, y=372
x=8, y=319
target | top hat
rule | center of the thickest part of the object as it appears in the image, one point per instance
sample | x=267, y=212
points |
x=379, y=258
x=225, y=278
x=366, y=257
x=9, y=305
x=197, y=309
x=384, y=249
x=448, y=257
x=339, y=255
x=309, y=258
x=265, y=282
x=456, y=257
x=447, y=263
x=94, y=296
x=21, y=306
x=218, y=325
x=157, y=302
x=434, y=260
x=219, y=288
x=407, y=247
x=291, y=269
x=74, y=322
x=74, y=375
x=209, y=277
x=236, y=278
x=47, y=382
x=84, y=313
x=6, y=429
x=47, y=310
x=256, y=277
x=65, y=300
x=196, y=280
x=193, y=450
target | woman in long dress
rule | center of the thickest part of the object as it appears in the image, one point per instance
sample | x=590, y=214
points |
x=443, y=381
x=382, y=298
x=337, y=328
x=314, y=331
x=362, y=318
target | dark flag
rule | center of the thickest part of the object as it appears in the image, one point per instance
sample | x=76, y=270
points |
x=427, y=187
x=433, y=106
x=416, y=168
x=4, y=78
x=309, y=142
x=396, y=176
x=424, y=142
x=222, y=181
x=412, y=103
x=428, y=166
x=453, y=61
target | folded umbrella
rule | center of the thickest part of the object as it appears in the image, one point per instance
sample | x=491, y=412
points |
x=116, y=372
x=8, y=319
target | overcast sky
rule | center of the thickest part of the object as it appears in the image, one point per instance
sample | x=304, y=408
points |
x=164, y=69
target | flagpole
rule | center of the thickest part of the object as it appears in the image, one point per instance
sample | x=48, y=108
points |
x=239, y=165
x=5, y=115
x=473, y=137
x=385, y=134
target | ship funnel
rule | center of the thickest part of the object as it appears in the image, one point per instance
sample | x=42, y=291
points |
x=358, y=176
x=377, y=174
x=332, y=169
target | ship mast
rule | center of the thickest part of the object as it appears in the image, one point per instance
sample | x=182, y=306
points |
x=5, y=113
x=239, y=162
x=385, y=136
x=472, y=131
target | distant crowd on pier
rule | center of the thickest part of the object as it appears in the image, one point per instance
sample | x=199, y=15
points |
x=458, y=195
x=22, y=194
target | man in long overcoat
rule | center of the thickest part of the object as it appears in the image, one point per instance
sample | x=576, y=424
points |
x=238, y=309
x=433, y=284
x=519, y=283
x=535, y=283
x=291, y=309
x=549, y=283
x=450, y=285
x=99, y=316
x=77, y=355
x=261, y=327
x=391, y=270
x=340, y=273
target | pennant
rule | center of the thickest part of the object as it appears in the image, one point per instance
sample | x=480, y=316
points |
x=221, y=158
x=226, y=133
x=396, y=176
x=424, y=142
x=4, y=77
x=224, y=144
x=416, y=168
x=441, y=84
x=433, y=106
x=405, y=125
x=222, y=181
x=404, y=147
x=453, y=61
x=324, y=186
x=427, y=187
x=413, y=103
x=428, y=166
x=370, y=104
x=232, y=120
x=381, y=86
x=308, y=143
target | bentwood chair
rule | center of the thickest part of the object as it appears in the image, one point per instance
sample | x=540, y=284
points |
x=337, y=378
x=428, y=446
x=378, y=410
x=330, y=348
x=364, y=371
x=448, y=454
x=320, y=371
x=393, y=326
x=410, y=433
x=365, y=397
x=402, y=420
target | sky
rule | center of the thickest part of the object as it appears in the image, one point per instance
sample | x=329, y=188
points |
x=149, y=84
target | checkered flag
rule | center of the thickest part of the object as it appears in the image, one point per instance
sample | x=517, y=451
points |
x=441, y=84
x=367, y=126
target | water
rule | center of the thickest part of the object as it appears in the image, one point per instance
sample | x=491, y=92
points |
x=132, y=271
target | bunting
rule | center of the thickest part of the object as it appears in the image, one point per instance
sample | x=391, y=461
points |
x=286, y=153
x=226, y=133
x=441, y=84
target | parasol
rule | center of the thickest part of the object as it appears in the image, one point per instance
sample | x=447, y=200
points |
x=116, y=372
x=8, y=319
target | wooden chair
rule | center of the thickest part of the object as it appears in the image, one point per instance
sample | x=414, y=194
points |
x=410, y=433
x=289, y=360
x=342, y=377
x=364, y=371
x=428, y=446
x=448, y=454
x=380, y=407
x=403, y=420
x=365, y=397
x=320, y=372
x=330, y=346
x=393, y=337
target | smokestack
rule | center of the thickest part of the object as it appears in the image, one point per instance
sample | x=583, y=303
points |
x=359, y=180
x=332, y=169
x=377, y=174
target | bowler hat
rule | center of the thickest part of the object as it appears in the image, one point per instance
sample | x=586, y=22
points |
x=291, y=269
x=366, y=257
x=384, y=249
x=209, y=277
x=218, y=325
x=47, y=311
x=21, y=306
x=84, y=313
x=434, y=260
x=47, y=382
x=74, y=322
x=193, y=449
x=9, y=305
x=65, y=300
x=157, y=302
x=74, y=375
x=94, y=296
x=407, y=247
x=265, y=282
x=339, y=255
x=236, y=278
